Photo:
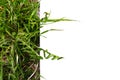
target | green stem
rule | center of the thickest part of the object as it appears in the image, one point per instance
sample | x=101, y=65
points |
x=1, y=68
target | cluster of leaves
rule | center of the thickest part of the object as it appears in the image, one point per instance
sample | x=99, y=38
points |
x=19, y=39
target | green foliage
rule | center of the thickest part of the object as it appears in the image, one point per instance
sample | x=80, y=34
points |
x=19, y=39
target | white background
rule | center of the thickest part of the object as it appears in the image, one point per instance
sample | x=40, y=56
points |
x=90, y=46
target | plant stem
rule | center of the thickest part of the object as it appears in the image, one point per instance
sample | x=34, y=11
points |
x=1, y=68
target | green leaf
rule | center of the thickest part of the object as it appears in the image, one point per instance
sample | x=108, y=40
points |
x=46, y=31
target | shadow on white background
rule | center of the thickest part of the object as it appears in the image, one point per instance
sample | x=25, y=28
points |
x=90, y=47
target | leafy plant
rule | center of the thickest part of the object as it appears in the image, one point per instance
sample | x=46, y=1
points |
x=19, y=39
